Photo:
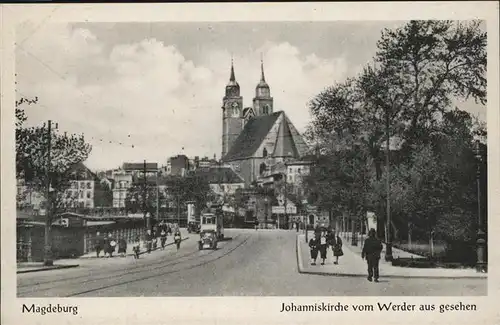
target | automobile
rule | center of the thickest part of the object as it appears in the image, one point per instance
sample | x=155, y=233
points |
x=193, y=227
x=208, y=240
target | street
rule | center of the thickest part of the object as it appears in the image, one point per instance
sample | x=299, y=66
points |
x=251, y=263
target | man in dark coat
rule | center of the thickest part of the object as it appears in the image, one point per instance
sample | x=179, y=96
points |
x=99, y=244
x=371, y=251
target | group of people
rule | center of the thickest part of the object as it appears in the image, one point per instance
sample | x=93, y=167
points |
x=372, y=248
x=108, y=244
x=322, y=240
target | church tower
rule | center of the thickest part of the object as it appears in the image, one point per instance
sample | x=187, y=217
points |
x=262, y=102
x=232, y=113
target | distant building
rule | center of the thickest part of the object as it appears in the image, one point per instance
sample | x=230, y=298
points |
x=223, y=180
x=178, y=165
x=122, y=183
x=81, y=191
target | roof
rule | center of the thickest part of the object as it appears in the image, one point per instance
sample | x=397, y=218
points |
x=223, y=175
x=140, y=166
x=251, y=137
x=81, y=172
x=285, y=143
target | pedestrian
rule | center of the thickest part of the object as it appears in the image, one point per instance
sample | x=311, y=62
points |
x=371, y=251
x=98, y=244
x=177, y=238
x=336, y=244
x=112, y=245
x=122, y=247
x=105, y=244
x=149, y=240
x=323, y=246
x=137, y=247
x=163, y=238
x=314, y=246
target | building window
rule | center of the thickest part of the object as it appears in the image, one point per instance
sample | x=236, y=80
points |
x=264, y=153
x=81, y=195
x=290, y=170
x=89, y=195
x=298, y=171
x=289, y=178
x=265, y=110
x=89, y=185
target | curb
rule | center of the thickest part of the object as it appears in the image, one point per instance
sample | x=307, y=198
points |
x=49, y=268
x=132, y=254
x=302, y=270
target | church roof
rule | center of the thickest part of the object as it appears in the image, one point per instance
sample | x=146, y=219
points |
x=223, y=175
x=285, y=146
x=289, y=143
x=251, y=137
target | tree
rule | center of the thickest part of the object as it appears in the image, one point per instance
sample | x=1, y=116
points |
x=140, y=196
x=432, y=63
x=191, y=188
x=103, y=195
x=32, y=164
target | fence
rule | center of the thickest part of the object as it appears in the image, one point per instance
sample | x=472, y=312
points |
x=129, y=232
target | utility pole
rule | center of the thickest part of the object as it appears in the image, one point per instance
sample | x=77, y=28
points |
x=178, y=211
x=286, y=214
x=48, y=261
x=481, y=264
x=148, y=221
x=388, y=244
x=157, y=196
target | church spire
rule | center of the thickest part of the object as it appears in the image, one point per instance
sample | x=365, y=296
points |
x=232, y=78
x=262, y=77
x=232, y=88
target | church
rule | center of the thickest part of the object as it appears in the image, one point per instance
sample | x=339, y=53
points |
x=256, y=138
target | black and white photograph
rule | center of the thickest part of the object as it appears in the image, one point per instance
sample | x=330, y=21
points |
x=266, y=158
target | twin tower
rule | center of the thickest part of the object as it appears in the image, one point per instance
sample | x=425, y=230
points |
x=234, y=116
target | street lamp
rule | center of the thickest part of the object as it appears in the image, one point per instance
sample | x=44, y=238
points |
x=388, y=244
x=265, y=212
x=481, y=265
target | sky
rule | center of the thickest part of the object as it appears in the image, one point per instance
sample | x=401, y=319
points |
x=154, y=90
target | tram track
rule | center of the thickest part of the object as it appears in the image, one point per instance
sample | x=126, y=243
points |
x=117, y=274
x=163, y=273
x=108, y=270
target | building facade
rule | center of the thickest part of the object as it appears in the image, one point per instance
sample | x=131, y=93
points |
x=122, y=182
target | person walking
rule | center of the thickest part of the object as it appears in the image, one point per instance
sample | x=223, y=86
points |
x=163, y=238
x=149, y=240
x=99, y=244
x=177, y=239
x=112, y=245
x=314, y=246
x=323, y=245
x=336, y=244
x=371, y=251
x=137, y=247
x=122, y=247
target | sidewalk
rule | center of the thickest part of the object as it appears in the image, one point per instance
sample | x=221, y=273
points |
x=352, y=265
x=142, y=246
x=26, y=267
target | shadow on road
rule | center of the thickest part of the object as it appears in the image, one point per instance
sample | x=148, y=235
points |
x=226, y=239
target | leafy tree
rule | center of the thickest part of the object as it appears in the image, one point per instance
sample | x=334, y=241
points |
x=103, y=195
x=32, y=163
x=432, y=63
x=140, y=196
x=191, y=188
